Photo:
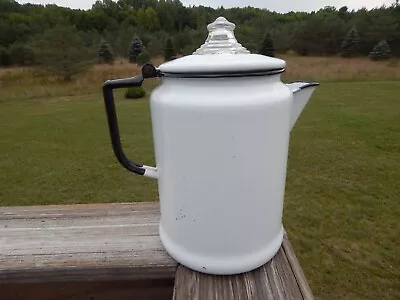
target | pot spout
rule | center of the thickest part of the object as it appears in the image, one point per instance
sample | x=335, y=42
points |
x=302, y=92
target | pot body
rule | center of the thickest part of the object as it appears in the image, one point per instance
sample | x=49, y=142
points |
x=221, y=148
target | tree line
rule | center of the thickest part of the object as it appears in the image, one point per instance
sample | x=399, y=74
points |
x=154, y=23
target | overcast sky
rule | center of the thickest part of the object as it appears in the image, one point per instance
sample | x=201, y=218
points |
x=273, y=5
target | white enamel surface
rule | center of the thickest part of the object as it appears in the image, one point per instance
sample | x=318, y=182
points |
x=221, y=148
x=221, y=52
x=222, y=63
x=301, y=97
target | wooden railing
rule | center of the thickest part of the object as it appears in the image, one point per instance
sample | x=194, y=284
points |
x=113, y=252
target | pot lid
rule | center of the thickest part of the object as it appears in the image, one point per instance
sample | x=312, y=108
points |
x=222, y=55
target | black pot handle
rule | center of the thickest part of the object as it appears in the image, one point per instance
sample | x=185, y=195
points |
x=148, y=71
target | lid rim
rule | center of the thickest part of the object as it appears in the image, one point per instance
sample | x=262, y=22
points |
x=211, y=74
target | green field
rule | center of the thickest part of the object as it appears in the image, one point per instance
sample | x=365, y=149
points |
x=342, y=206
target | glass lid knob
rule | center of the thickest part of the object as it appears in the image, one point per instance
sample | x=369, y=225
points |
x=221, y=39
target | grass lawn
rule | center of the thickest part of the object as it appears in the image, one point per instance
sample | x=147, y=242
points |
x=342, y=206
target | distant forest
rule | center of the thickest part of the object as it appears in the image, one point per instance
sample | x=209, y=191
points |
x=322, y=32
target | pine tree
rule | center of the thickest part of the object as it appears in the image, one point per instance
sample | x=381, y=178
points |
x=61, y=51
x=330, y=47
x=106, y=54
x=143, y=57
x=21, y=54
x=350, y=44
x=155, y=47
x=267, y=46
x=5, y=59
x=125, y=33
x=135, y=48
x=169, y=50
x=381, y=51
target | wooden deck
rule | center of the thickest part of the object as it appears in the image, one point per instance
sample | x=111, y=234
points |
x=113, y=251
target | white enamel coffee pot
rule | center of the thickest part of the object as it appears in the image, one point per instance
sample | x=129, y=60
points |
x=221, y=121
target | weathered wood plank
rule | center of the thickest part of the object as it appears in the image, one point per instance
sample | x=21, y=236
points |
x=116, y=247
x=297, y=270
x=276, y=280
x=82, y=242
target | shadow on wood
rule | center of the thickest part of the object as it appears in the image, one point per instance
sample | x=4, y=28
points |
x=118, y=290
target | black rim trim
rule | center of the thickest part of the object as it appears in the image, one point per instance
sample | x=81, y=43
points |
x=223, y=74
